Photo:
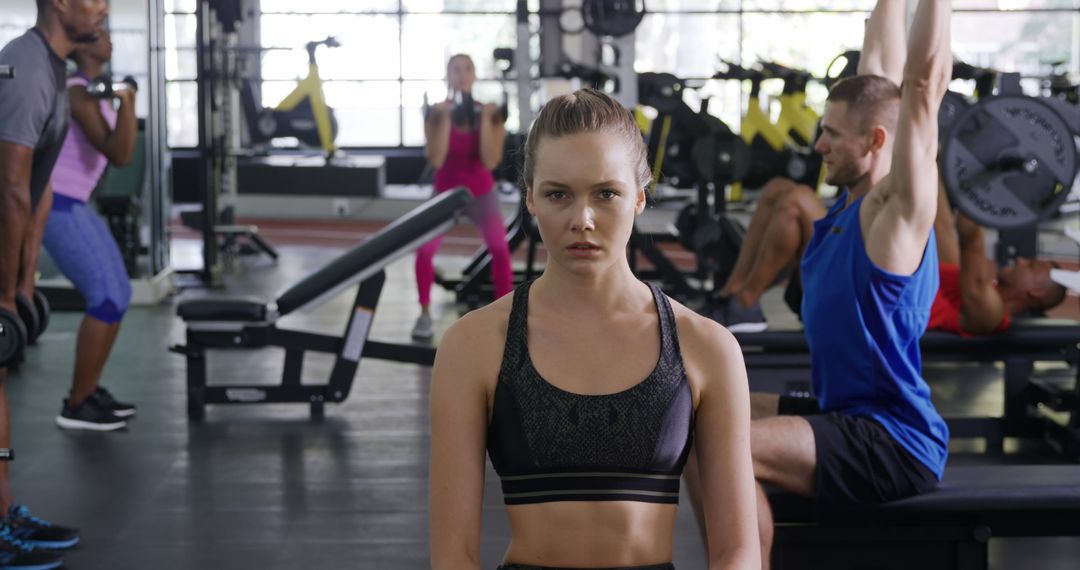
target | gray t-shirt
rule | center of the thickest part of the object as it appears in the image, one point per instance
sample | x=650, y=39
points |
x=34, y=108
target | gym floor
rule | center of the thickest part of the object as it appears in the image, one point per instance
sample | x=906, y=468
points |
x=267, y=487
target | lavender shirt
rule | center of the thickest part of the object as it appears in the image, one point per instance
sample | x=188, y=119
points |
x=80, y=165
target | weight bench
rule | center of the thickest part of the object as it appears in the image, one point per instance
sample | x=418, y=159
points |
x=1027, y=341
x=244, y=323
x=945, y=529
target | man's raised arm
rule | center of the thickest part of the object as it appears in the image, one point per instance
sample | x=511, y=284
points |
x=884, y=43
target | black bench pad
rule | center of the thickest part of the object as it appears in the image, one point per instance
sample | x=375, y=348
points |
x=1024, y=334
x=223, y=309
x=1013, y=500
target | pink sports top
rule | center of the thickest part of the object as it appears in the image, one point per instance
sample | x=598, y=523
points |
x=80, y=165
x=463, y=166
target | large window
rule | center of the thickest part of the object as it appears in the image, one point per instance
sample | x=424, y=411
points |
x=394, y=51
x=180, y=73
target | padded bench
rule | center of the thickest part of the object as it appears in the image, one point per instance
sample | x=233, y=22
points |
x=248, y=323
x=1027, y=341
x=947, y=528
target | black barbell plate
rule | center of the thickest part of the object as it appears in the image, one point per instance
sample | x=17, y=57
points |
x=952, y=106
x=12, y=338
x=44, y=310
x=28, y=315
x=983, y=154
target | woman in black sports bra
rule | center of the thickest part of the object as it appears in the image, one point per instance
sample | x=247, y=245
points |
x=588, y=387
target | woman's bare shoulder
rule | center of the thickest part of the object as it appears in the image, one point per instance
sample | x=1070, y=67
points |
x=476, y=339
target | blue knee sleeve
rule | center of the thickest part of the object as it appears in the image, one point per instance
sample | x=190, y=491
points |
x=107, y=312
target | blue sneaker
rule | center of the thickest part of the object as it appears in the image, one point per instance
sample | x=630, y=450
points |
x=18, y=555
x=39, y=533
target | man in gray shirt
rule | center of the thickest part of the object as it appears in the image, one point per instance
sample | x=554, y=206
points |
x=34, y=118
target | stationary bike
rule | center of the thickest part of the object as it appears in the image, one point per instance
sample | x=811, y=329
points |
x=772, y=151
x=302, y=114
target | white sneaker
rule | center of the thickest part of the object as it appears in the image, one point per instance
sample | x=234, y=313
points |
x=422, y=330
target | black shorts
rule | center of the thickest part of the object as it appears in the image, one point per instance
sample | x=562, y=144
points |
x=859, y=463
x=793, y=293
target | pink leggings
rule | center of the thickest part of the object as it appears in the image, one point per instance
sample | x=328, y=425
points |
x=485, y=215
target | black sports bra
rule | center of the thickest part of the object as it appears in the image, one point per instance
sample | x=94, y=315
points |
x=551, y=445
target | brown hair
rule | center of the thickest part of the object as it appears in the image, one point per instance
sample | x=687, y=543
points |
x=584, y=111
x=875, y=99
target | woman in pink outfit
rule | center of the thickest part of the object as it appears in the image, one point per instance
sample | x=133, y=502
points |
x=464, y=142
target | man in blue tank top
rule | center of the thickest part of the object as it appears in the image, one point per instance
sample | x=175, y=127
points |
x=870, y=276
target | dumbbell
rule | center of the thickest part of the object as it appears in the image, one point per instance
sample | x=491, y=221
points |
x=44, y=310
x=12, y=339
x=104, y=87
x=29, y=316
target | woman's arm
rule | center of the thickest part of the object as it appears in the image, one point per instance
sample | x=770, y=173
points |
x=722, y=432
x=458, y=441
x=437, y=134
x=492, y=133
x=117, y=144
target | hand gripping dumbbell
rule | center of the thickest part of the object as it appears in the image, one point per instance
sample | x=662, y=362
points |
x=104, y=86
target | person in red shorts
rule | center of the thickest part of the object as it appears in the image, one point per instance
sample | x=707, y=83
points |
x=975, y=297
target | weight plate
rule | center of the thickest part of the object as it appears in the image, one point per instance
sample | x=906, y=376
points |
x=952, y=105
x=12, y=338
x=28, y=315
x=44, y=310
x=1009, y=161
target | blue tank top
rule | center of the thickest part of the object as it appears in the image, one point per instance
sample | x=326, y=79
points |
x=863, y=326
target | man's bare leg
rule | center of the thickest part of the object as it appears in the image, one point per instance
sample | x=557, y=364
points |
x=786, y=234
x=772, y=194
x=783, y=450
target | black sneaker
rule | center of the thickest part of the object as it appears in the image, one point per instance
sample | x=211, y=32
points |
x=107, y=401
x=18, y=555
x=39, y=533
x=715, y=308
x=89, y=415
x=740, y=319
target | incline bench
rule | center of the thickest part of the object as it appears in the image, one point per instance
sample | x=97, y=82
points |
x=1026, y=342
x=231, y=323
x=945, y=529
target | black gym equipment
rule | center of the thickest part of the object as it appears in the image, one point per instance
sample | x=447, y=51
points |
x=947, y=528
x=44, y=311
x=769, y=157
x=1026, y=342
x=613, y=18
x=1009, y=161
x=692, y=150
x=29, y=317
x=12, y=338
x=296, y=116
x=231, y=323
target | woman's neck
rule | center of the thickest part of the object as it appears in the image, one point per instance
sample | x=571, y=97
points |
x=610, y=290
